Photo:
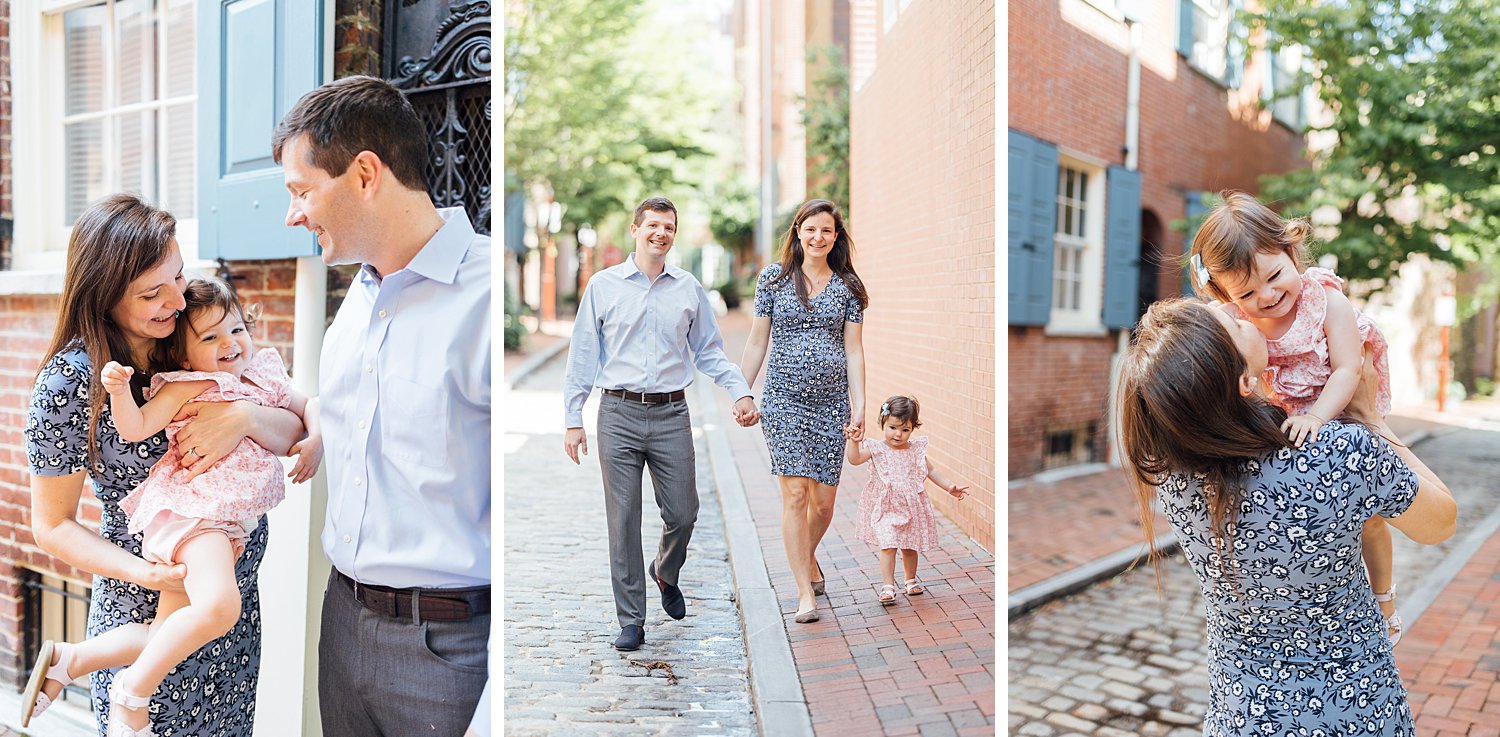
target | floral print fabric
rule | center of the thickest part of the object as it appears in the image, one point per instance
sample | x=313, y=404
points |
x=894, y=511
x=212, y=693
x=1297, y=645
x=805, y=400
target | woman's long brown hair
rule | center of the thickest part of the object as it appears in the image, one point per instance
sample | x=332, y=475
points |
x=114, y=241
x=1179, y=408
x=840, y=258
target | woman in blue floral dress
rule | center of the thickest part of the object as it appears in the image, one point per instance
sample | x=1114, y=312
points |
x=1297, y=645
x=809, y=309
x=123, y=287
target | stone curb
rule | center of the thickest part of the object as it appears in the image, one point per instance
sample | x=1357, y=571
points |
x=1077, y=579
x=537, y=361
x=775, y=687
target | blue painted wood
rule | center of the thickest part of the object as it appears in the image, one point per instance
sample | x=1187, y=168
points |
x=1195, y=211
x=1031, y=226
x=255, y=59
x=1122, y=247
x=1185, y=28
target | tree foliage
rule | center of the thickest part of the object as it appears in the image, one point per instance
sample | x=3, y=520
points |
x=1412, y=92
x=825, y=116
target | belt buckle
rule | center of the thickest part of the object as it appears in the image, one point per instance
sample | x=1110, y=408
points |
x=643, y=398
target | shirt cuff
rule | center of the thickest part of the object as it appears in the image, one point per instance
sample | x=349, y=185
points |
x=575, y=419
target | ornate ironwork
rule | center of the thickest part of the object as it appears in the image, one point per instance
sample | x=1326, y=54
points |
x=449, y=87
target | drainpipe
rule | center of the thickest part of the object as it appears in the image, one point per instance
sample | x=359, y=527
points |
x=1132, y=159
x=764, y=238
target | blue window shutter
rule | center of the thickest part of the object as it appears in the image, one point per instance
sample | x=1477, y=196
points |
x=1031, y=227
x=1122, y=247
x=255, y=59
x=1234, y=47
x=1185, y=28
x=1195, y=212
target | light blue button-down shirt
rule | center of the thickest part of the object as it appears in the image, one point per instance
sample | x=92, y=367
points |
x=645, y=336
x=405, y=401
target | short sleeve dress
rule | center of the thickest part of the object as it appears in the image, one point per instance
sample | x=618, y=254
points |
x=805, y=400
x=1296, y=642
x=212, y=693
x=243, y=485
x=894, y=511
x=1298, y=365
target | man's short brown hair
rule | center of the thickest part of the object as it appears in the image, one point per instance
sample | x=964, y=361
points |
x=654, y=204
x=354, y=114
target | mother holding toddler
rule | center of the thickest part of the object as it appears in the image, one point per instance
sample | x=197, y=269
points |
x=121, y=295
x=810, y=310
x=1296, y=642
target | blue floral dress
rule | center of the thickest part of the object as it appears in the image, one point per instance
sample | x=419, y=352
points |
x=805, y=401
x=212, y=693
x=1297, y=645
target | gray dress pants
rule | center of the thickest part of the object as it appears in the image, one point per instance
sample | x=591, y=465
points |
x=633, y=436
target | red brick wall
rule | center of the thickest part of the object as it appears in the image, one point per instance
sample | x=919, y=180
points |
x=1067, y=76
x=923, y=219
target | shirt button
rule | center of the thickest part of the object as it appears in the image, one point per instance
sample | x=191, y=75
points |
x=369, y=368
x=358, y=482
x=347, y=539
x=361, y=424
x=382, y=313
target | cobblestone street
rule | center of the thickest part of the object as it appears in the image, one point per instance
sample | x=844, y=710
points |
x=562, y=676
x=1121, y=659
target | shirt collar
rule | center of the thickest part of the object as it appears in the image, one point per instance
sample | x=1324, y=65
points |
x=440, y=257
x=631, y=269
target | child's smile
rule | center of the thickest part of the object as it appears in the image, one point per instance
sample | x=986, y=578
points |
x=219, y=343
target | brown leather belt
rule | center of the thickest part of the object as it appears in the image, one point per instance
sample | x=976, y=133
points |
x=431, y=605
x=659, y=398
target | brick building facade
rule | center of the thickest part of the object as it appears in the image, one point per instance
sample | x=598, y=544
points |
x=1203, y=127
x=922, y=177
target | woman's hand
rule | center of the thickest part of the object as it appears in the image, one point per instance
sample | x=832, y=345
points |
x=1363, y=406
x=854, y=433
x=162, y=577
x=214, y=429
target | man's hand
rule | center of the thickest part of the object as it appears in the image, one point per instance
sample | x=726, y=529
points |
x=574, y=442
x=745, y=412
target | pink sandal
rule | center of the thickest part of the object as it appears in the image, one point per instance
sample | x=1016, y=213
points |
x=34, y=701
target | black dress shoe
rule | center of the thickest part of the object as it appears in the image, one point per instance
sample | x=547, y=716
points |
x=671, y=597
x=631, y=637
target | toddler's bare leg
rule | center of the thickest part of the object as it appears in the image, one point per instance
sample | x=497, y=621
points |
x=888, y=565
x=1376, y=550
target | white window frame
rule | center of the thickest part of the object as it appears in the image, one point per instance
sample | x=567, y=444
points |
x=1205, y=57
x=1290, y=111
x=1088, y=317
x=38, y=158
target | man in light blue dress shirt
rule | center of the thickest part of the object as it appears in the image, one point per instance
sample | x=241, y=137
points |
x=405, y=394
x=642, y=327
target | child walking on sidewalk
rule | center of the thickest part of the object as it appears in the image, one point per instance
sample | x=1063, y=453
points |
x=1254, y=263
x=202, y=522
x=894, y=511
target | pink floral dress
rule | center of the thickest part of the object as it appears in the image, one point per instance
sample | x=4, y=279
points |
x=1298, y=364
x=244, y=484
x=894, y=511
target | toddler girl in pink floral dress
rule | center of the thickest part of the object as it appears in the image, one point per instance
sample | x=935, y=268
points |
x=203, y=520
x=894, y=511
x=1253, y=262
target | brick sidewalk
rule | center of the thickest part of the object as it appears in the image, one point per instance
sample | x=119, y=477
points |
x=1450, y=660
x=1057, y=526
x=924, y=666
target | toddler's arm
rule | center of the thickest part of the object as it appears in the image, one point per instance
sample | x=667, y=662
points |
x=136, y=423
x=937, y=478
x=1344, y=357
x=856, y=455
x=309, y=450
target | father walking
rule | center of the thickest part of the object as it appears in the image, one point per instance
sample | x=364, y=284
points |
x=405, y=394
x=641, y=328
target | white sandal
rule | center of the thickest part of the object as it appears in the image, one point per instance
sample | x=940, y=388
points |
x=34, y=701
x=1393, y=622
x=914, y=587
x=119, y=697
x=887, y=594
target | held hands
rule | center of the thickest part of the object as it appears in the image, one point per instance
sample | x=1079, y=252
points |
x=574, y=442
x=309, y=452
x=1302, y=427
x=854, y=433
x=745, y=412
x=116, y=378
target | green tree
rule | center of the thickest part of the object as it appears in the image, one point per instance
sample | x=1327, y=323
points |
x=825, y=116
x=1412, y=92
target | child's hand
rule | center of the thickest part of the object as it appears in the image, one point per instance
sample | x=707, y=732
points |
x=959, y=492
x=309, y=452
x=116, y=378
x=1302, y=427
x=854, y=433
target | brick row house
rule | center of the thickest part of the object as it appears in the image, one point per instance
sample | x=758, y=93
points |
x=1090, y=238
x=176, y=100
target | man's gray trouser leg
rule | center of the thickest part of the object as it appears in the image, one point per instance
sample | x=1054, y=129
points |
x=632, y=437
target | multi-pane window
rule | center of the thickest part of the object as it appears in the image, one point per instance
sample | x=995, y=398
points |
x=129, y=104
x=1210, y=51
x=1071, y=244
x=1283, y=90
